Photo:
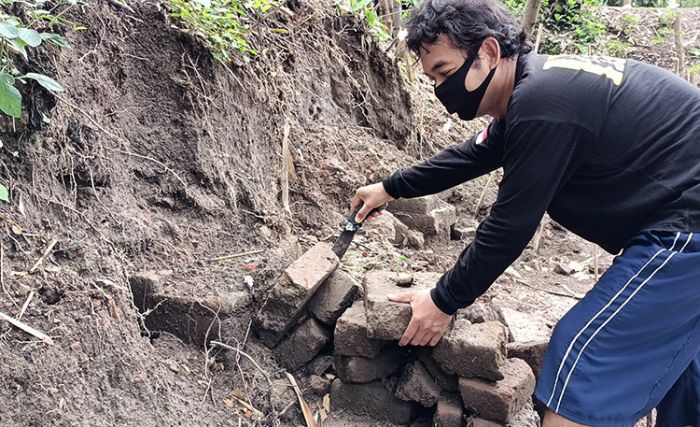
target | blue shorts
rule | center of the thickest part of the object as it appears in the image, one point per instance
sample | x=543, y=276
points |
x=633, y=343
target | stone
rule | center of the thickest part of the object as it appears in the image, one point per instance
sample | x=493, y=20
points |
x=354, y=369
x=387, y=320
x=480, y=422
x=527, y=417
x=333, y=297
x=449, y=413
x=373, y=399
x=302, y=345
x=416, y=384
x=287, y=299
x=473, y=350
x=531, y=352
x=351, y=337
x=462, y=232
x=319, y=385
x=429, y=215
x=524, y=327
x=320, y=365
x=381, y=226
x=404, y=280
x=444, y=380
x=479, y=312
x=499, y=401
x=407, y=237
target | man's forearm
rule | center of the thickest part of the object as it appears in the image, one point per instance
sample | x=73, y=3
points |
x=450, y=167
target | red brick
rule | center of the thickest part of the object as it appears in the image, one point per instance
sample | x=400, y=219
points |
x=333, y=297
x=473, y=350
x=353, y=369
x=449, y=413
x=288, y=298
x=417, y=385
x=499, y=401
x=302, y=345
x=374, y=399
x=350, y=338
x=388, y=320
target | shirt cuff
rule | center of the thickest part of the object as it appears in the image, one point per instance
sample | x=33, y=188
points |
x=390, y=187
x=441, y=303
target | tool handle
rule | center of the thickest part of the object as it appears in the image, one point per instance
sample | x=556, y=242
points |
x=356, y=225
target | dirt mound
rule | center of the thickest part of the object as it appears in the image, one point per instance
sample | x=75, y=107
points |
x=158, y=158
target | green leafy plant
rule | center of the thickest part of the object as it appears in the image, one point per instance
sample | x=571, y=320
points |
x=367, y=10
x=630, y=24
x=617, y=48
x=223, y=25
x=17, y=38
x=571, y=18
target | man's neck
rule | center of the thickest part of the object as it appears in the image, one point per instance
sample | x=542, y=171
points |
x=509, y=66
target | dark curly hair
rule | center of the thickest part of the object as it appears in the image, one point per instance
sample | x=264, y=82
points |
x=467, y=23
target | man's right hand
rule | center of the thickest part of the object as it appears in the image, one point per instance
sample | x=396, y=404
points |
x=370, y=197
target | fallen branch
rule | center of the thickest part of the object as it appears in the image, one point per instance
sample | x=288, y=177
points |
x=46, y=253
x=225, y=257
x=571, y=294
x=26, y=328
x=308, y=415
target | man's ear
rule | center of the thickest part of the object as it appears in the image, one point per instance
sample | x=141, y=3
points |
x=490, y=51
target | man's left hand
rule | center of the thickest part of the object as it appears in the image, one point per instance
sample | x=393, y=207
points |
x=428, y=322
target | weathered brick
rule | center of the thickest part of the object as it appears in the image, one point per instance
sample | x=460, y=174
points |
x=333, y=297
x=388, y=320
x=445, y=381
x=302, y=345
x=350, y=338
x=374, y=399
x=531, y=352
x=527, y=417
x=417, y=385
x=524, y=327
x=407, y=237
x=480, y=422
x=354, y=369
x=502, y=400
x=473, y=350
x=449, y=413
x=430, y=215
x=288, y=297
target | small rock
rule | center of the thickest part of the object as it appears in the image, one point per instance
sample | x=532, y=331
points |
x=319, y=385
x=320, y=365
x=479, y=312
x=403, y=280
x=75, y=346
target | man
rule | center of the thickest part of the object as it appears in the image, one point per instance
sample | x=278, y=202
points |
x=610, y=148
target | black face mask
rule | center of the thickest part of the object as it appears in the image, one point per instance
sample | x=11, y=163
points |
x=456, y=98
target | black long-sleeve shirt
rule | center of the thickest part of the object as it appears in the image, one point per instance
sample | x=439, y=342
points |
x=608, y=147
